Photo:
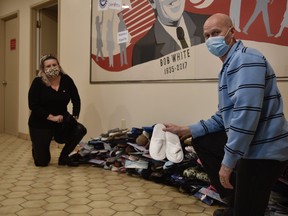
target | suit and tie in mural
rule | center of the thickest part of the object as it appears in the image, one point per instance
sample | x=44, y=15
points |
x=170, y=27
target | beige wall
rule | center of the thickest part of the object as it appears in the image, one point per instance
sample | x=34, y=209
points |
x=104, y=105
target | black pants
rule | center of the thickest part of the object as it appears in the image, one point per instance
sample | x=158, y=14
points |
x=252, y=179
x=41, y=139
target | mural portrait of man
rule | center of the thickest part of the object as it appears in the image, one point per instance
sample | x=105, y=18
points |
x=174, y=29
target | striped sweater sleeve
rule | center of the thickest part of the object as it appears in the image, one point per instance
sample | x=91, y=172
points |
x=242, y=98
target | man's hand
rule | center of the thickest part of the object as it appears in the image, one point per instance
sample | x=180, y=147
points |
x=182, y=131
x=224, y=175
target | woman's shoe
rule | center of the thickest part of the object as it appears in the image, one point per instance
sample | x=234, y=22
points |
x=68, y=162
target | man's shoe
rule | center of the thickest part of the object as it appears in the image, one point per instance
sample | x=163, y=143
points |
x=223, y=212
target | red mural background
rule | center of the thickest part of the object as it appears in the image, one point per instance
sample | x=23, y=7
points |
x=141, y=13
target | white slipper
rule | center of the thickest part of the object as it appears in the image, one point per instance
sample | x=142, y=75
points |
x=157, y=147
x=174, y=152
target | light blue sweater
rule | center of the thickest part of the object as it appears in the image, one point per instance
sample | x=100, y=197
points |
x=250, y=109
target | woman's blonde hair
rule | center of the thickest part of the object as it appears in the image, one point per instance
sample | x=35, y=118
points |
x=41, y=68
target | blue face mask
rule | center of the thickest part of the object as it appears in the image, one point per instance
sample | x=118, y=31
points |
x=217, y=45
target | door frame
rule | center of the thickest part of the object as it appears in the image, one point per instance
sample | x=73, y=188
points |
x=3, y=19
x=34, y=40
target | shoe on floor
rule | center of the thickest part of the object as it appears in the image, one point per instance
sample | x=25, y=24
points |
x=68, y=162
x=223, y=212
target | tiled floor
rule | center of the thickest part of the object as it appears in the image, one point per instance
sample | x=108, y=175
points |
x=84, y=190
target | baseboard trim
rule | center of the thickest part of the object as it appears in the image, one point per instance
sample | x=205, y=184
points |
x=24, y=136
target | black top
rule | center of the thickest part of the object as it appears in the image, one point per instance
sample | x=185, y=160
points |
x=44, y=100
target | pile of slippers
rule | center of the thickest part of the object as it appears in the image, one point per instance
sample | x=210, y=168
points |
x=164, y=144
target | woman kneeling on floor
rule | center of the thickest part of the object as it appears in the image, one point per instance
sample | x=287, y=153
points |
x=49, y=96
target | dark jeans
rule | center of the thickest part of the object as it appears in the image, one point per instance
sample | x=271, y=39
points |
x=41, y=139
x=252, y=178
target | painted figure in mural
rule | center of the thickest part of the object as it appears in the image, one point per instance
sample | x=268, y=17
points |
x=284, y=23
x=49, y=95
x=123, y=53
x=174, y=29
x=247, y=137
x=99, y=42
x=110, y=40
x=261, y=7
x=235, y=13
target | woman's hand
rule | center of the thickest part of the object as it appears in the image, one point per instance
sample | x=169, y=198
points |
x=58, y=118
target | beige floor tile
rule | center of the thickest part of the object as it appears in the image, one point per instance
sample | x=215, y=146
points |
x=82, y=191
x=34, y=203
x=78, y=209
x=166, y=205
x=123, y=207
x=139, y=195
x=161, y=198
x=56, y=206
x=97, y=197
x=172, y=212
x=102, y=212
x=100, y=204
x=147, y=210
x=31, y=212
x=121, y=199
x=78, y=200
x=143, y=202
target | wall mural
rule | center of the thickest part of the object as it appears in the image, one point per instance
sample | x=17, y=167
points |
x=162, y=40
